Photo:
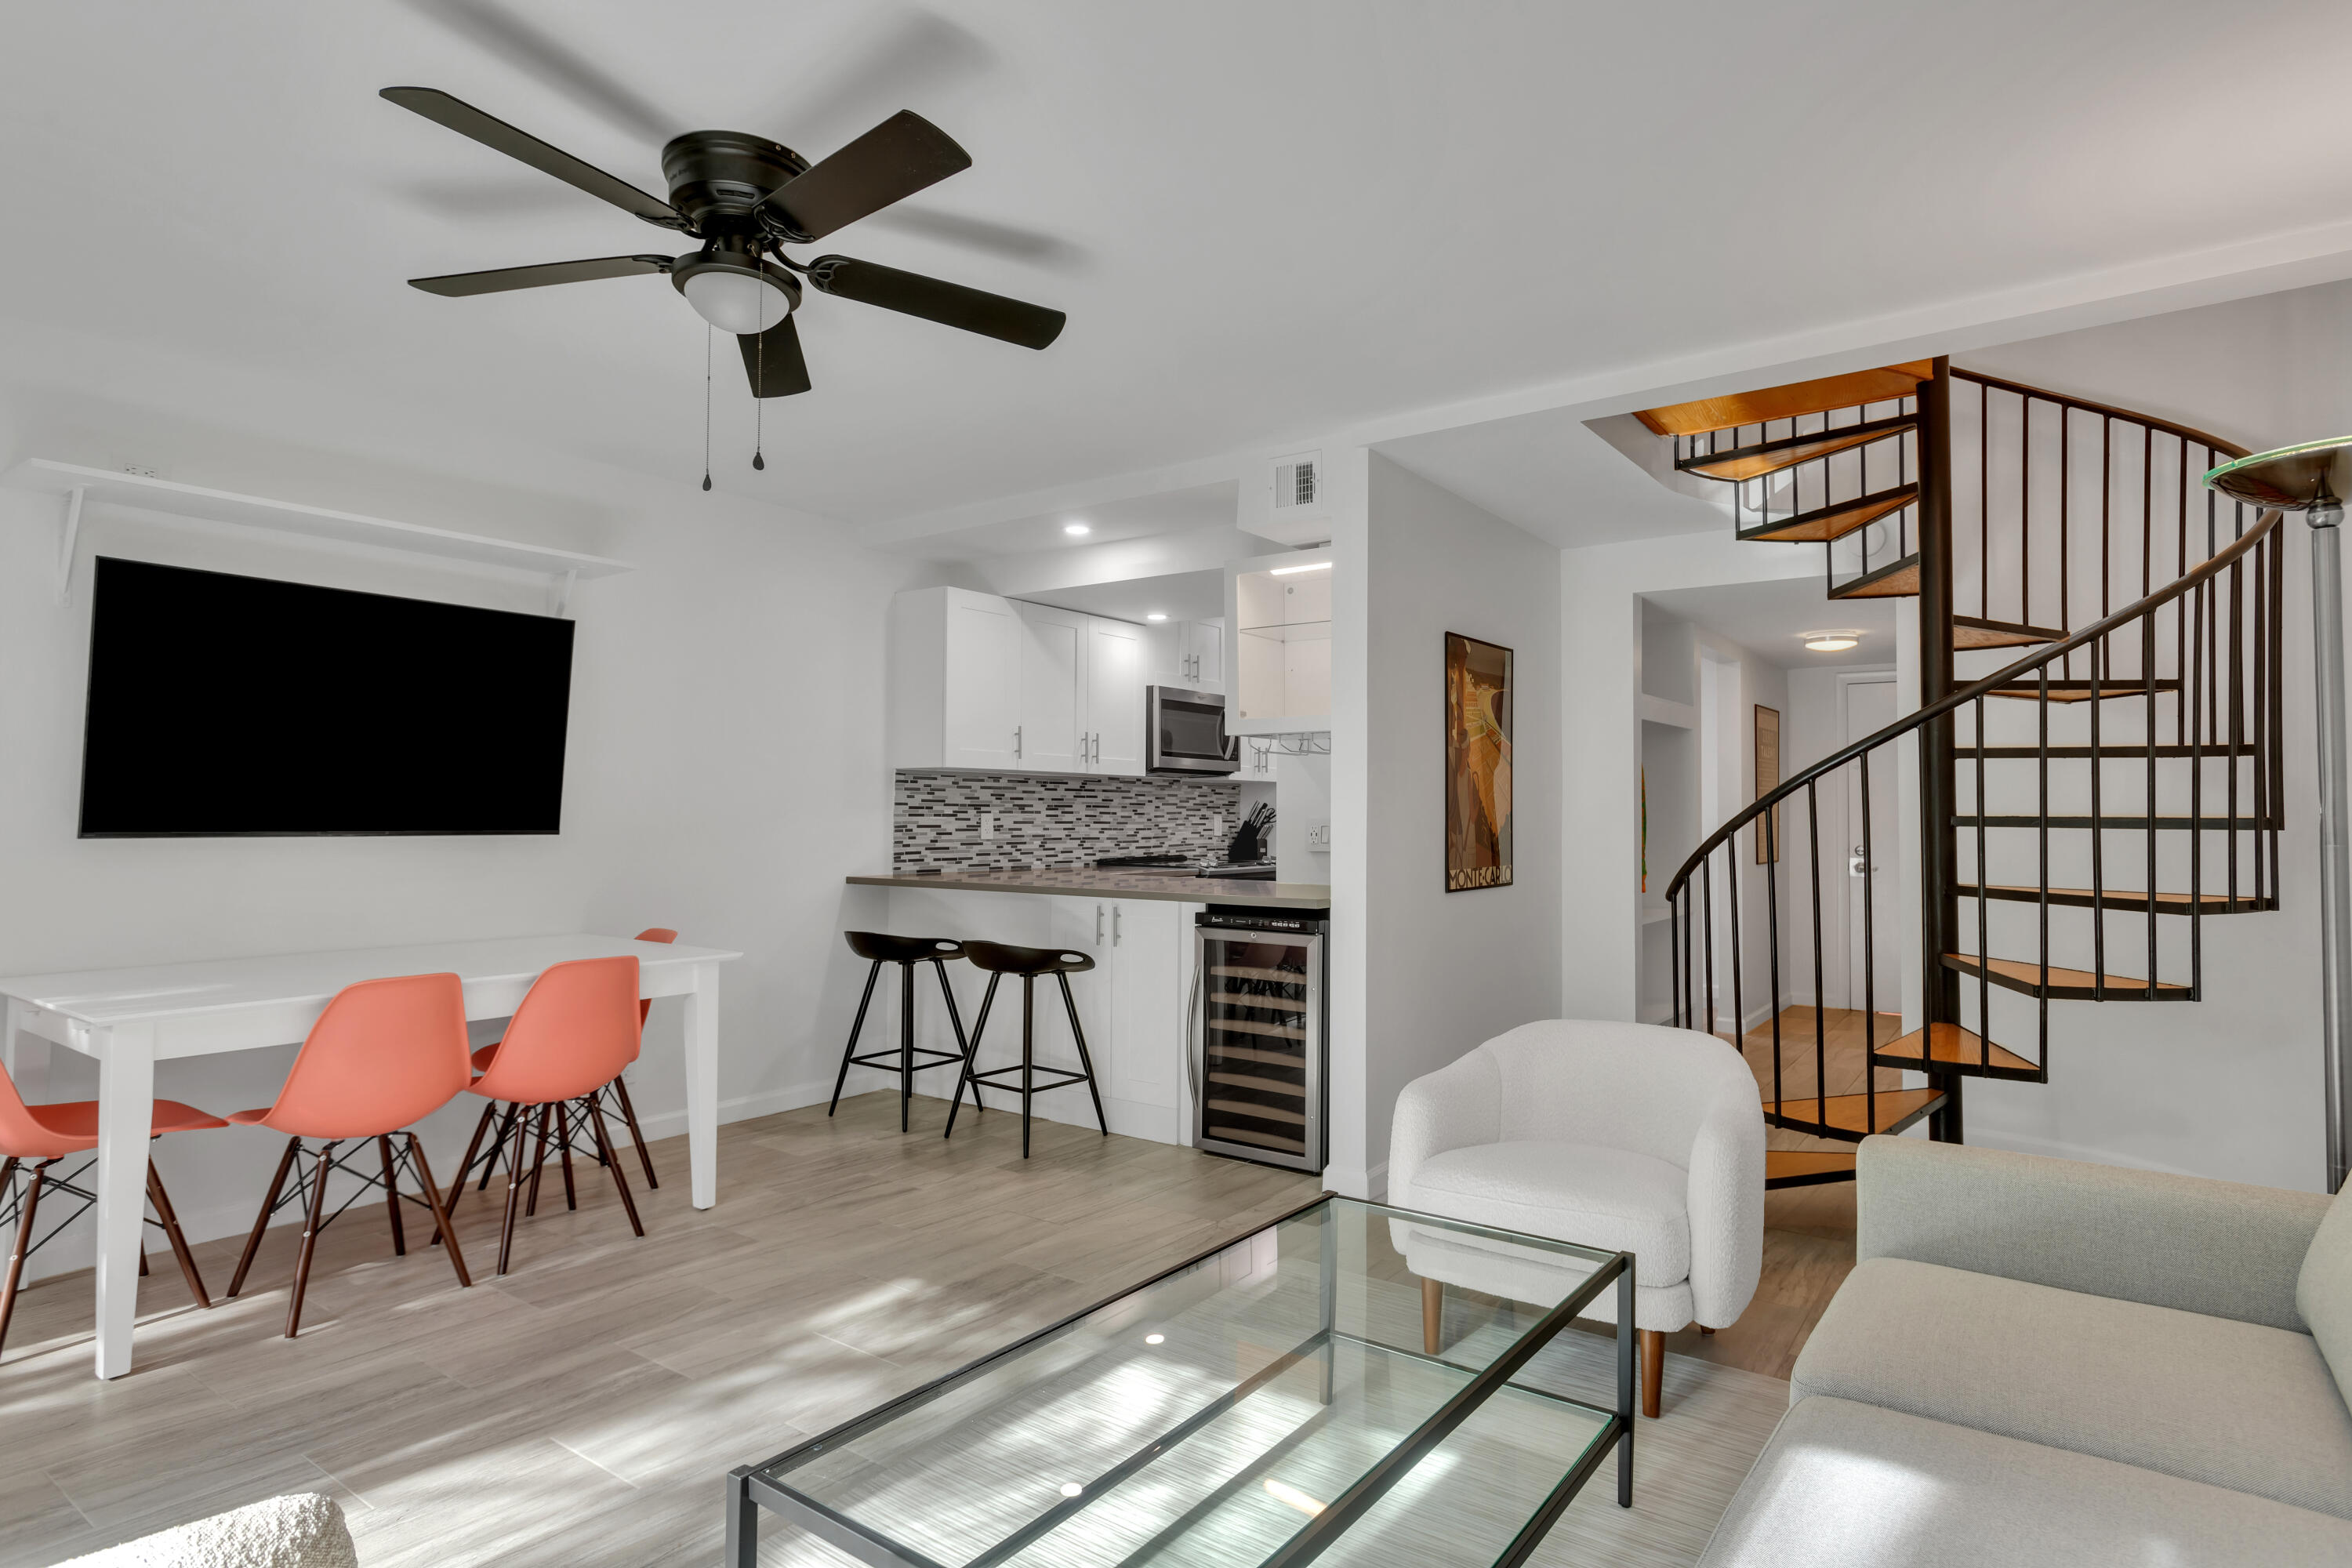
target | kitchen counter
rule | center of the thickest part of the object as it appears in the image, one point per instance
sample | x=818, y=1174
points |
x=1089, y=882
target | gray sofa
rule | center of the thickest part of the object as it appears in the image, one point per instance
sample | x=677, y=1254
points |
x=2041, y=1362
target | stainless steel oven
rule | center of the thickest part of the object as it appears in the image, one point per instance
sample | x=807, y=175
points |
x=1254, y=1045
x=1186, y=731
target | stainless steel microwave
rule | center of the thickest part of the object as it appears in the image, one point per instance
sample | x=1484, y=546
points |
x=1187, y=732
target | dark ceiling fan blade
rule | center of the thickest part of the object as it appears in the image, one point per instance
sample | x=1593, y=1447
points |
x=773, y=360
x=949, y=304
x=457, y=285
x=539, y=52
x=902, y=155
x=493, y=132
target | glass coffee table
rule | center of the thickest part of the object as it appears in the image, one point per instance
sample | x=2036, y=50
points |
x=1273, y=1401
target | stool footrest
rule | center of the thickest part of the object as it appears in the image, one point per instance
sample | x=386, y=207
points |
x=1063, y=1079
x=891, y=1058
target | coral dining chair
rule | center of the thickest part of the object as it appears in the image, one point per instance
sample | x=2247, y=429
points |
x=383, y=1057
x=577, y=1029
x=39, y=1136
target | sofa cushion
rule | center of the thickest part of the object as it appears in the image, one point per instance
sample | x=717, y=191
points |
x=2322, y=1291
x=1609, y=1198
x=2208, y=1399
x=1845, y=1485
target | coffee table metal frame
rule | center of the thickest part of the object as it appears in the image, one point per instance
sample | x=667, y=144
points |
x=750, y=1488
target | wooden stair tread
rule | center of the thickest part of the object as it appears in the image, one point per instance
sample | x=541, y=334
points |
x=1806, y=1167
x=2128, y=900
x=1824, y=523
x=2083, y=690
x=1952, y=1044
x=1758, y=464
x=1886, y=383
x=1973, y=632
x=1849, y=1114
x=1899, y=580
x=2029, y=975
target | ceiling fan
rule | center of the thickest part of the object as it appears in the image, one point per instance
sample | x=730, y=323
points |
x=746, y=199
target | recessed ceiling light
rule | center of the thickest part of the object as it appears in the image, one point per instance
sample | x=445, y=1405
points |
x=1835, y=639
x=1157, y=615
x=1077, y=528
x=1155, y=1339
x=1071, y=1489
x=1287, y=570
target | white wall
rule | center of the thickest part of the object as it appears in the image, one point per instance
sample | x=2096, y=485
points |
x=1445, y=970
x=724, y=772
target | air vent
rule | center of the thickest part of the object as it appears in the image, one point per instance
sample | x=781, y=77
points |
x=1297, y=482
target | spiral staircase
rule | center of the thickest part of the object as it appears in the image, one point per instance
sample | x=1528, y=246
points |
x=2093, y=763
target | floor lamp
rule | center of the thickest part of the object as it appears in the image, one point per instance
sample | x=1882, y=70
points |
x=2311, y=479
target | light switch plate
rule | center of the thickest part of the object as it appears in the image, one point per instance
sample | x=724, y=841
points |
x=987, y=824
x=1319, y=835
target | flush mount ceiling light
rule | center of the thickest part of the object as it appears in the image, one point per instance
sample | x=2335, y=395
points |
x=1076, y=529
x=1288, y=571
x=1836, y=639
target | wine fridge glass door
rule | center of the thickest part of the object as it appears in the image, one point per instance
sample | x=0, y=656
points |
x=1258, y=1079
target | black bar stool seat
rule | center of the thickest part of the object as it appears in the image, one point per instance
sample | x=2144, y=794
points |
x=1029, y=962
x=880, y=948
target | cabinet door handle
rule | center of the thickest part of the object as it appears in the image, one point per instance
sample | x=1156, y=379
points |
x=1099, y=908
x=1196, y=1034
x=1016, y=741
x=1115, y=912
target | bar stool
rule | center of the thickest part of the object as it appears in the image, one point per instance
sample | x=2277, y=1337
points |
x=906, y=951
x=1028, y=962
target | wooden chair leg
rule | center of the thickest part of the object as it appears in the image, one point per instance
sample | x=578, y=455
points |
x=311, y=1227
x=1704, y=1330
x=1654, y=1369
x=1432, y=1316
x=142, y=1258
x=261, y=1224
x=538, y=1163
x=491, y=1169
x=563, y=1149
x=180, y=1253
x=514, y=1195
x=637, y=1135
x=466, y=1166
x=612, y=1163
x=442, y=1229
x=392, y=1198
x=21, y=1246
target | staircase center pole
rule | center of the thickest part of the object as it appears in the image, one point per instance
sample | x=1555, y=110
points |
x=1938, y=838
x=2324, y=517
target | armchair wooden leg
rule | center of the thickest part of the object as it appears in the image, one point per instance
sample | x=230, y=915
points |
x=1704, y=1330
x=1654, y=1369
x=1432, y=1316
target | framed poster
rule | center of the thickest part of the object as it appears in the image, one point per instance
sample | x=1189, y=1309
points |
x=1477, y=765
x=1768, y=778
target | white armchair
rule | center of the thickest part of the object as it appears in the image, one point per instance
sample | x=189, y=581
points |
x=1625, y=1136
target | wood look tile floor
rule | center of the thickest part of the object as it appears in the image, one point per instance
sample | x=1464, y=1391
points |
x=583, y=1409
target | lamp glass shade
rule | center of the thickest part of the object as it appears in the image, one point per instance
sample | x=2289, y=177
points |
x=737, y=302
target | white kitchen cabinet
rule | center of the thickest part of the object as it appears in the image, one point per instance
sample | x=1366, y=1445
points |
x=1188, y=654
x=978, y=681
x=1115, y=696
x=1052, y=699
x=1278, y=615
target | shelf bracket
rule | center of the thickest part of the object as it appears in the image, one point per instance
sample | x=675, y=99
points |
x=560, y=586
x=66, y=543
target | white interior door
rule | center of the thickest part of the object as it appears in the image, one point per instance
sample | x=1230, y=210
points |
x=1870, y=708
x=1114, y=675
x=1052, y=710
x=983, y=664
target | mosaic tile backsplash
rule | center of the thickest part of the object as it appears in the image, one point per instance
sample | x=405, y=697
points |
x=1056, y=820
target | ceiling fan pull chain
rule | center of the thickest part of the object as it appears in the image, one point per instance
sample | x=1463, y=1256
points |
x=758, y=407
x=707, y=334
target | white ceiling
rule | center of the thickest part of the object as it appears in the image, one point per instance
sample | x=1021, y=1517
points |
x=1180, y=595
x=1138, y=517
x=1265, y=221
x=1765, y=618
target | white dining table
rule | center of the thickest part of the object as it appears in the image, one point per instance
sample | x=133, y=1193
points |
x=130, y=1019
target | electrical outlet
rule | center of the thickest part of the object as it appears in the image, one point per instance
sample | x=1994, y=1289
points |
x=1216, y=825
x=141, y=470
x=987, y=824
x=1318, y=837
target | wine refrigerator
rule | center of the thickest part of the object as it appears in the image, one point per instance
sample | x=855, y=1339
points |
x=1257, y=1027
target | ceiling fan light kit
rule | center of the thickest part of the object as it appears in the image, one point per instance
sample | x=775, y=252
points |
x=746, y=199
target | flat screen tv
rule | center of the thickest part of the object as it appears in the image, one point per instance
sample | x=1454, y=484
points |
x=222, y=705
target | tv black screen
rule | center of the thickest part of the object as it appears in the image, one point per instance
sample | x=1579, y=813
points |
x=226, y=705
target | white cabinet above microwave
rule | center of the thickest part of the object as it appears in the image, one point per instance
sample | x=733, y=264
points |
x=978, y=681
